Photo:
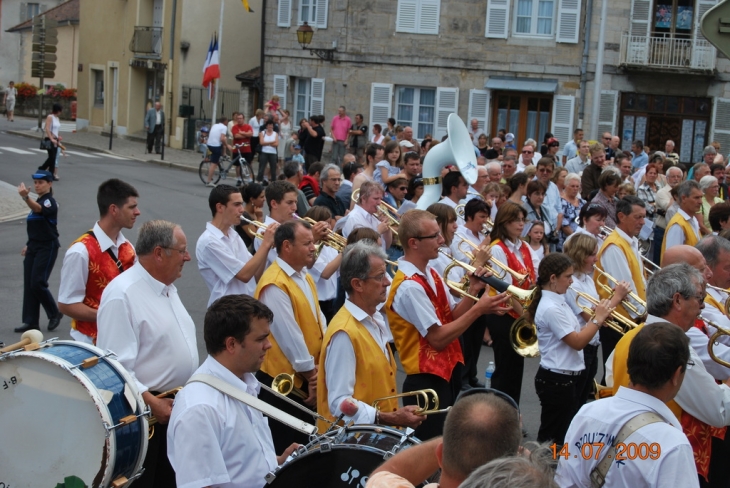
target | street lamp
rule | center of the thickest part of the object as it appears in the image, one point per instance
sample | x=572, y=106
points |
x=304, y=37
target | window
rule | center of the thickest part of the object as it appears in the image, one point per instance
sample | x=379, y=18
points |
x=416, y=107
x=98, y=78
x=526, y=115
x=31, y=10
x=418, y=16
x=308, y=98
x=314, y=12
x=534, y=17
x=673, y=18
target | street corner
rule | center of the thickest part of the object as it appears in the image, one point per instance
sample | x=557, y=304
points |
x=12, y=207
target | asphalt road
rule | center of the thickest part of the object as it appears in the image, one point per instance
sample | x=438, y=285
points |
x=165, y=193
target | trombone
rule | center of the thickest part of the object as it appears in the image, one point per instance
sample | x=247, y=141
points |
x=721, y=331
x=650, y=266
x=610, y=291
x=617, y=322
x=427, y=401
x=283, y=384
x=518, y=278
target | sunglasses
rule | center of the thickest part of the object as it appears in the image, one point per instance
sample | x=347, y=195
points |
x=402, y=188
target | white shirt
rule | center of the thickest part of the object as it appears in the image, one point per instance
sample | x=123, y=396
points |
x=461, y=233
x=326, y=289
x=340, y=364
x=158, y=117
x=554, y=320
x=577, y=165
x=582, y=230
x=514, y=248
x=698, y=340
x=214, y=137
x=663, y=199
x=675, y=234
x=412, y=303
x=144, y=322
x=359, y=217
x=716, y=315
x=582, y=282
x=471, y=194
x=452, y=204
x=220, y=257
x=216, y=440
x=284, y=327
x=255, y=125
x=615, y=263
x=602, y=420
x=535, y=158
x=272, y=255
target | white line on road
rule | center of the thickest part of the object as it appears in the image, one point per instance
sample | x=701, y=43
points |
x=39, y=150
x=16, y=151
x=106, y=155
x=83, y=155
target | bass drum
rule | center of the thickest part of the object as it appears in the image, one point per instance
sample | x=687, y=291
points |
x=344, y=458
x=58, y=407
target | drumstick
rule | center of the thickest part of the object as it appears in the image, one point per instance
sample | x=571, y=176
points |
x=28, y=337
x=349, y=407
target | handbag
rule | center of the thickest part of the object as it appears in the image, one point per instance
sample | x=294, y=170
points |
x=46, y=144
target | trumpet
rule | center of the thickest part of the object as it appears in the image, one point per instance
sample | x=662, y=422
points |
x=283, y=384
x=721, y=331
x=518, y=278
x=523, y=338
x=617, y=322
x=383, y=208
x=333, y=239
x=649, y=266
x=257, y=224
x=427, y=401
x=626, y=303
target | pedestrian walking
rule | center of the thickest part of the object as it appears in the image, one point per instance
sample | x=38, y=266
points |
x=9, y=101
x=153, y=121
x=52, y=139
x=40, y=253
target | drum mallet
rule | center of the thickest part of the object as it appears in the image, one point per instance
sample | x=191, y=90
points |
x=28, y=337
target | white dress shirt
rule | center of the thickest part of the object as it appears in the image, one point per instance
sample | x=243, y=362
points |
x=284, y=327
x=456, y=244
x=582, y=230
x=271, y=257
x=602, y=420
x=326, y=289
x=452, y=204
x=514, y=248
x=216, y=440
x=675, y=234
x=412, y=303
x=472, y=194
x=716, y=315
x=220, y=257
x=583, y=282
x=359, y=217
x=554, y=320
x=663, y=199
x=615, y=263
x=146, y=325
x=698, y=340
x=340, y=364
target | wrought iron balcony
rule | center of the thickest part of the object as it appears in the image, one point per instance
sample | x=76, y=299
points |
x=147, y=42
x=667, y=53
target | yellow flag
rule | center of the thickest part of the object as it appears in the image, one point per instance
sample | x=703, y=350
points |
x=246, y=6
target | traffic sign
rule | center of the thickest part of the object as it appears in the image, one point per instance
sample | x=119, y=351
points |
x=715, y=25
x=42, y=74
x=38, y=65
x=43, y=57
x=45, y=38
x=45, y=48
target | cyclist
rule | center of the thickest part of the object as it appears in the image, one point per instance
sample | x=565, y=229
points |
x=216, y=140
x=242, y=133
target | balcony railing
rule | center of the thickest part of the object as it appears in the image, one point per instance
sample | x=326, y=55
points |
x=147, y=41
x=667, y=53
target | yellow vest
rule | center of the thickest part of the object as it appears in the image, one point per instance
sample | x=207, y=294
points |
x=620, y=368
x=405, y=335
x=690, y=238
x=374, y=373
x=636, y=275
x=275, y=361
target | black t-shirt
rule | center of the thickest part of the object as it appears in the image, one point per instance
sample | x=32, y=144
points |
x=335, y=204
x=313, y=145
x=492, y=154
x=610, y=153
x=42, y=226
x=361, y=140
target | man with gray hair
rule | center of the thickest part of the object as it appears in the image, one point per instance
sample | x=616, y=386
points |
x=330, y=180
x=475, y=131
x=663, y=201
x=533, y=471
x=356, y=366
x=669, y=152
x=683, y=228
x=494, y=170
x=142, y=319
x=708, y=155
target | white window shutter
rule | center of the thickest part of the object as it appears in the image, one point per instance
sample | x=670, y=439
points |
x=280, y=89
x=23, y=11
x=563, y=111
x=447, y=103
x=406, y=18
x=607, y=113
x=381, y=95
x=321, y=12
x=317, y=97
x=703, y=53
x=721, y=122
x=283, y=15
x=497, y=19
x=479, y=108
x=568, y=21
x=428, y=18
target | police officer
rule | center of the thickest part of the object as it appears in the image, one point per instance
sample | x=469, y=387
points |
x=40, y=253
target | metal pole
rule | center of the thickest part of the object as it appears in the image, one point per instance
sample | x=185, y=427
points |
x=220, y=42
x=111, y=135
x=599, y=71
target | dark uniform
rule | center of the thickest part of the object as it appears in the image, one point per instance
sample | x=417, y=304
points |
x=40, y=256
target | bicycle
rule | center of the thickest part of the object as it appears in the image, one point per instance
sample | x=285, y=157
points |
x=224, y=165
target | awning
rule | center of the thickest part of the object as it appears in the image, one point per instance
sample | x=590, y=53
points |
x=521, y=84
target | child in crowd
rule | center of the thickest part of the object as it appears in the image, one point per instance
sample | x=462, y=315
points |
x=536, y=239
x=389, y=169
x=296, y=155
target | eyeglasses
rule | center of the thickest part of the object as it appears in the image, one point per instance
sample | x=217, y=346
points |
x=379, y=277
x=182, y=252
x=528, y=152
x=500, y=394
x=335, y=179
x=403, y=188
x=435, y=236
x=606, y=138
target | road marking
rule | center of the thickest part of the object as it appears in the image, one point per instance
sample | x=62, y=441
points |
x=83, y=155
x=39, y=150
x=16, y=151
x=105, y=155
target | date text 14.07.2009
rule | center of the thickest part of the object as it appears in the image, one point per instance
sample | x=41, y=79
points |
x=621, y=452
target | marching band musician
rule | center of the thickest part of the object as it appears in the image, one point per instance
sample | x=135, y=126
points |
x=684, y=228
x=509, y=249
x=356, y=362
x=298, y=326
x=363, y=214
x=561, y=340
x=425, y=324
x=325, y=270
x=223, y=260
x=454, y=189
x=210, y=432
x=476, y=214
x=142, y=319
x=620, y=257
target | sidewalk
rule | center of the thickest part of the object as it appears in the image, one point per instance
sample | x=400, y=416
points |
x=12, y=207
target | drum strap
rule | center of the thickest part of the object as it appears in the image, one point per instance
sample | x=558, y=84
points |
x=253, y=402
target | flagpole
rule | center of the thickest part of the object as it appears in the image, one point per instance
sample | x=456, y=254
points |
x=220, y=41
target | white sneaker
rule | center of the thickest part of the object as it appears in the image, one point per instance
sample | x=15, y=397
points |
x=210, y=184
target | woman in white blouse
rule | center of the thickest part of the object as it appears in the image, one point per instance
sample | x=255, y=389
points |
x=561, y=342
x=591, y=219
x=583, y=251
x=377, y=137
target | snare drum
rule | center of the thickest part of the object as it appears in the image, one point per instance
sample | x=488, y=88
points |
x=59, y=406
x=344, y=458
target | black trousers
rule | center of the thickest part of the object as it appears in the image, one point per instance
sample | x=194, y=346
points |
x=310, y=159
x=328, y=309
x=557, y=393
x=609, y=339
x=447, y=392
x=284, y=435
x=154, y=137
x=585, y=380
x=50, y=163
x=472, y=339
x=158, y=472
x=37, y=266
x=509, y=366
x=719, y=465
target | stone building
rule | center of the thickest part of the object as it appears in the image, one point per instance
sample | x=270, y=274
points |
x=527, y=66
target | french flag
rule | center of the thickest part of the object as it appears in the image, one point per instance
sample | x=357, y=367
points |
x=212, y=69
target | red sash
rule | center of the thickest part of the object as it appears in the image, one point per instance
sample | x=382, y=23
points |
x=516, y=265
x=439, y=363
